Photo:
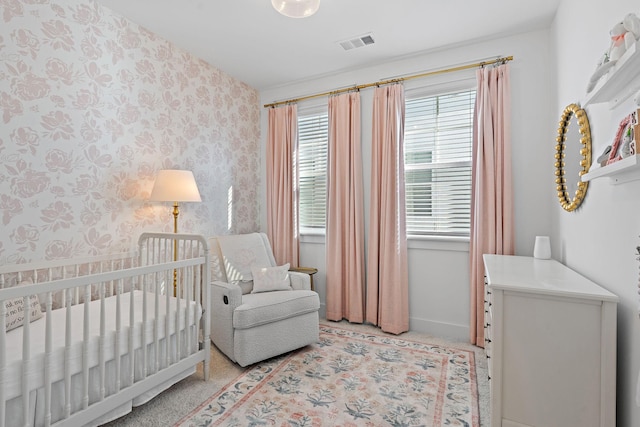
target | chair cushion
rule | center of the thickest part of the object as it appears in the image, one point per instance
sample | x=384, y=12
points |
x=268, y=307
x=240, y=252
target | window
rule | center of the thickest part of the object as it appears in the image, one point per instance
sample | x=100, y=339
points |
x=313, y=135
x=437, y=148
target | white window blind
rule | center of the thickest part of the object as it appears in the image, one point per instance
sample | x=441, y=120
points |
x=313, y=135
x=437, y=147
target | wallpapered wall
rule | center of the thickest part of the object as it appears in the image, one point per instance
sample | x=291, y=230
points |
x=92, y=105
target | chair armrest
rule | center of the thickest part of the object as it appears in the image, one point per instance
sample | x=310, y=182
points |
x=300, y=281
x=225, y=297
x=225, y=294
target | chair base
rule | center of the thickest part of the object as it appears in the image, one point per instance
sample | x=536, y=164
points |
x=273, y=339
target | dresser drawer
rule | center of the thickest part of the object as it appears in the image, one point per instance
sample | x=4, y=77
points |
x=488, y=317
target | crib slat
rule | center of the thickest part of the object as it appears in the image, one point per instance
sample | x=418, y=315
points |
x=156, y=328
x=76, y=297
x=167, y=322
x=177, y=321
x=48, y=344
x=168, y=258
x=131, y=352
x=110, y=290
x=102, y=345
x=85, y=347
x=3, y=361
x=26, y=359
x=197, y=299
x=118, y=334
x=187, y=311
x=67, y=355
x=144, y=327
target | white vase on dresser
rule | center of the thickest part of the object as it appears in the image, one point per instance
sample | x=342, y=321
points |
x=551, y=344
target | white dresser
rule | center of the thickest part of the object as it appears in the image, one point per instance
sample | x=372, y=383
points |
x=551, y=344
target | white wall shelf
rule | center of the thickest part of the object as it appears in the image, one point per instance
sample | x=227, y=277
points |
x=622, y=81
x=625, y=170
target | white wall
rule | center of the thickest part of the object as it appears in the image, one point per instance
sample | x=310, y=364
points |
x=439, y=271
x=599, y=240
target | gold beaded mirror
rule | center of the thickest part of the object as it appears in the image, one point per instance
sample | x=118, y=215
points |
x=573, y=157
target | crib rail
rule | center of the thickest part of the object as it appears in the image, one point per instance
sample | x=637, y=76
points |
x=126, y=329
x=47, y=271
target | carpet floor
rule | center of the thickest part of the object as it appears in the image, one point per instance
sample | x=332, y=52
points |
x=184, y=398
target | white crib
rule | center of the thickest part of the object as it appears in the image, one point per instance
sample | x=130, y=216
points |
x=92, y=338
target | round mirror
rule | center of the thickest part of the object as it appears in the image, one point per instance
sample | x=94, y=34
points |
x=573, y=157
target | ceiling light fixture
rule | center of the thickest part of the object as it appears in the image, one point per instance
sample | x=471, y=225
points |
x=296, y=8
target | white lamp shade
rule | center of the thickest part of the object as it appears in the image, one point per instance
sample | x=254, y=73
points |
x=175, y=186
x=296, y=8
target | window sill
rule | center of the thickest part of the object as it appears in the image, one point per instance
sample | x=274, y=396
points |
x=438, y=243
x=315, y=237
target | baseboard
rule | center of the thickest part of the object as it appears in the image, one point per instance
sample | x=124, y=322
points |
x=431, y=327
x=507, y=423
x=439, y=329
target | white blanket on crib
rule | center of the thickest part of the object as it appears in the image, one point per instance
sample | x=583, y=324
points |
x=14, y=354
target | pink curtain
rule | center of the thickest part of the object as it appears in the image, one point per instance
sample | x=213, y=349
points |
x=492, y=230
x=282, y=207
x=345, y=216
x=387, y=274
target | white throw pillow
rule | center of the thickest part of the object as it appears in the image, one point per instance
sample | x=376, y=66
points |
x=267, y=279
x=14, y=316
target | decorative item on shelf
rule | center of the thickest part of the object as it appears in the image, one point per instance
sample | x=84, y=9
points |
x=567, y=144
x=175, y=186
x=296, y=8
x=623, y=35
x=621, y=147
x=602, y=158
x=542, y=247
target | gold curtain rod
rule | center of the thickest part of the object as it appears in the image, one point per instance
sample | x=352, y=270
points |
x=384, y=82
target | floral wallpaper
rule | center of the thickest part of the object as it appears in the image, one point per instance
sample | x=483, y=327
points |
x=92, y=106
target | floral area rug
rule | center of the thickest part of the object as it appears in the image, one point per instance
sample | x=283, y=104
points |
x=350, y=379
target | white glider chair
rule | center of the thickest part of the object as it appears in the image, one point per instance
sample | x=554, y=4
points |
x=258, y=310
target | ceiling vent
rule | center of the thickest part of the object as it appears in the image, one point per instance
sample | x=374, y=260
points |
x=356, y=42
